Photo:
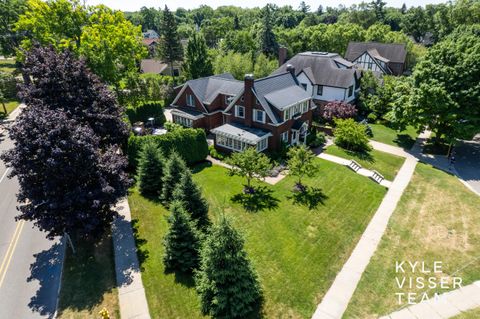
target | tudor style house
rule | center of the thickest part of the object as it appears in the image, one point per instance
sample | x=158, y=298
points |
x=380, y=58
x=325, y=76
x=262, y=113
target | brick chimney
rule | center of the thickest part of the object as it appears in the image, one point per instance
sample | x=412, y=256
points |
x=282, y=56
x=248, y=98
x=291, y=69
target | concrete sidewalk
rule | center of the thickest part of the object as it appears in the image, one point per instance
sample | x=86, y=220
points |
x=447, y=305
x=336, y=299
x=131, y=294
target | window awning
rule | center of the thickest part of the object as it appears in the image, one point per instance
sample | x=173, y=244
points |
x=241, y=133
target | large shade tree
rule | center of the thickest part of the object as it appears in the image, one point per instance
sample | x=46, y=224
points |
x=446, y=94
x=10, y=10
x=197, y=61
x=61, y=81
x=249, y=164
x=66, y=147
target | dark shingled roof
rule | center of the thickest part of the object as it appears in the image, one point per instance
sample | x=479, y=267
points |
x=395, y=52
x=207, y=89
x=321, y=68
x=279, y=91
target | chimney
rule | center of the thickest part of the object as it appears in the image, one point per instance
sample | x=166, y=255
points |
x=248, y=98
x=282, y=55
x=291, y=69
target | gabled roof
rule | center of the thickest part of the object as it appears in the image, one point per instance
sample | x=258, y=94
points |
x=149, y=41
x=208, y=88
x=394, y=52
x=152, y=66
x=323, y=68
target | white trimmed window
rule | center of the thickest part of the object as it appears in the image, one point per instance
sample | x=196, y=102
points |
x=182, y=120
x=350, y=90
x=231, y=143
x=284, y=137
x=320, y=90
x=240, y=111
x=259, y=116
x=228, y=99
x=262, y=144
x=190, y=100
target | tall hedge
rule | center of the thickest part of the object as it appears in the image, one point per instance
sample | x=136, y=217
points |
x=190, y=144
x=145, y=111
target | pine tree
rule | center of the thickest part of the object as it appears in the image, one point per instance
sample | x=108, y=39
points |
x=150, y=170
x=173, y=170
x=268, y=42
x=226, y=282
x=171, y=49
x=197, y=62
x=182, y=242
x=190, y=195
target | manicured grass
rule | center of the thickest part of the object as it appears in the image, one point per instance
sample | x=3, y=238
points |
x=386, y=164
x=296, y=251
x=7, y=65
x=387, y=135
x=88, y=281
x=471, y=314
x=437, y=219
x=10, y=105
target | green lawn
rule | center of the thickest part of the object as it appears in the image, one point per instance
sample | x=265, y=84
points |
x=7, y=65
x=471, y=314
x=10, y=105
x=387, y=135
x=386, y=164
x=296, y=251
x=88, y=281
x=437, y=219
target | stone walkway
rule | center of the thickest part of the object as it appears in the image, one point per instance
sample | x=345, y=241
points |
x=447, y=305
x=131, y=294
x=336, y=299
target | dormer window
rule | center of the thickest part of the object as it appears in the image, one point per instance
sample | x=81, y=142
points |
x=228, y=99
x=190, y=100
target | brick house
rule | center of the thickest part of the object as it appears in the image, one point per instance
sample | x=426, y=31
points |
x=264, y=113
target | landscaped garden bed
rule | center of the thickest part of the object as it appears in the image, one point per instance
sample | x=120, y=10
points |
x=436, y=220
x=386, y=164
x=295, y=250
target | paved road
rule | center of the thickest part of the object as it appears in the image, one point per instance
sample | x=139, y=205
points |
x=467, y=163
x=30, y=265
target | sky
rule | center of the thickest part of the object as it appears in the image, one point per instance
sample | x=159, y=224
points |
x=134, y=5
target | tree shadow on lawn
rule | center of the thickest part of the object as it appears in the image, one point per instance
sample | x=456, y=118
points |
x=311, y=197
x=404, y=141
x=363, y=155
x=142, y=252
x=259, y=200
x=201, y=166
x=185, y=279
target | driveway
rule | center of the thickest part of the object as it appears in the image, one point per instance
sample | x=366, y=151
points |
x=467, y=163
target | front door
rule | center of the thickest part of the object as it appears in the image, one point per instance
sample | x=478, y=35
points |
x=295, y=136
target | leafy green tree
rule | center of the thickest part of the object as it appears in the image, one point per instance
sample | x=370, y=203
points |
x=111, y=45
x=226, y=281
x=235, y=63
x=415, y=23
x=447, y=87
x=150, y=18
x=301, y=163
x=182, y=242
x=264, y=66
x=171, y=49
x=190, y=195
x=249, y=164
x=150, y=170
x=268, y=42
x=174, y=168
x=57, y=22
x=10, y=10
x=378, y=6
x=351, y=135
x=197, y=61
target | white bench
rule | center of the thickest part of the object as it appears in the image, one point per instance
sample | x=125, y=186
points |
x=377, y=177
x=354, y=166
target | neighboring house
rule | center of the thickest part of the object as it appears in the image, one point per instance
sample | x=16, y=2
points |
x=199, y=103
x=263, y=113
x=150, y=34
x=382, y=58
x=325, y=76
x=151, y=44
x=158, y=67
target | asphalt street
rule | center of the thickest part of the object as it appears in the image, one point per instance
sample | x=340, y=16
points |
x=30, y=264
x=467, y=162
